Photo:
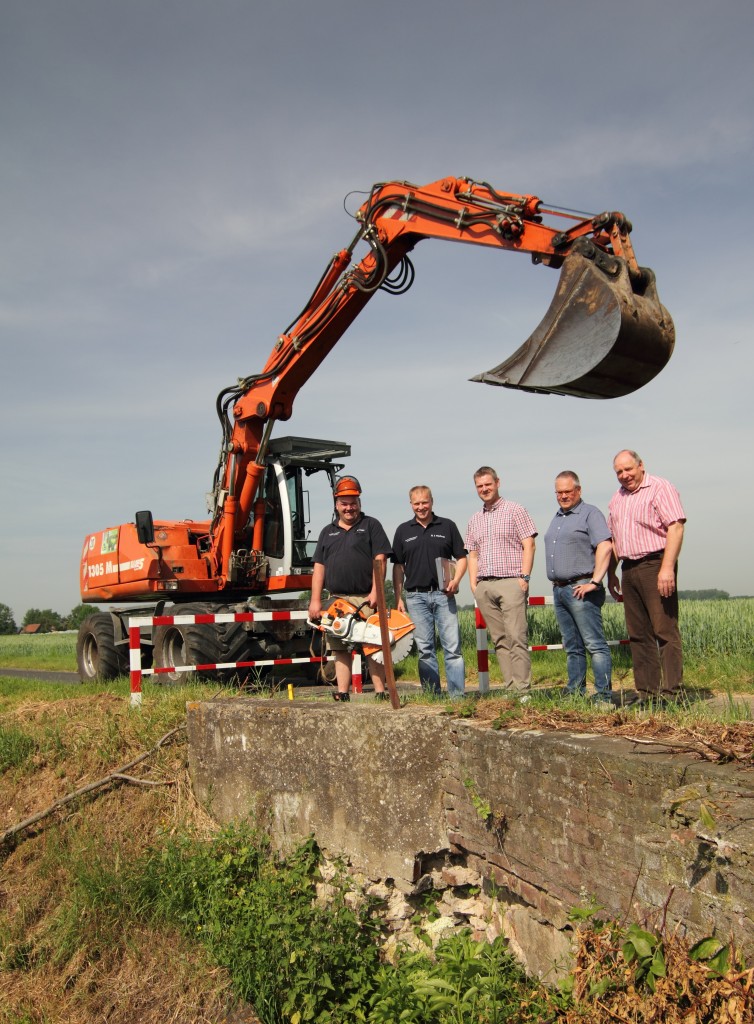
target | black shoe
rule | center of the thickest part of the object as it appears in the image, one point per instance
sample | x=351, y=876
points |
x=343, y=697
x=384, y=695
x=650, y=700
x=625, y=698
x=601, y=700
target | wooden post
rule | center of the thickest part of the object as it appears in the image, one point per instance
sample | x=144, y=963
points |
x=387, y=655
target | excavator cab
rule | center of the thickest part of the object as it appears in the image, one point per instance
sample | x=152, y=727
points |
x=605, y=334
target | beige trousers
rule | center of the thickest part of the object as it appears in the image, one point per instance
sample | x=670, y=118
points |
x=503, y=604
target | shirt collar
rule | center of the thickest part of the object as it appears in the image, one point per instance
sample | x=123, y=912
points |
x=646, y=479
x=571, y=510
x=492, y=508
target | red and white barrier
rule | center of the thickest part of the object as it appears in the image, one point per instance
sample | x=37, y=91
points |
x=483, y=649
x=136, y=623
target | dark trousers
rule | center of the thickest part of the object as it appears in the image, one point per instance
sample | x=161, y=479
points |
x=652, y=622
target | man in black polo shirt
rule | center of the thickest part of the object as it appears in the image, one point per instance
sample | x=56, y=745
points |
x=343, y=564
x=416, y=546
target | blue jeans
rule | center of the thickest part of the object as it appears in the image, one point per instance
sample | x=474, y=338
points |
x=430, y=611
x=581, y=625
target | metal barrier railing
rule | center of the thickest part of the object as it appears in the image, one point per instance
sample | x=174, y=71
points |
x=483, y=650
x=137, y=623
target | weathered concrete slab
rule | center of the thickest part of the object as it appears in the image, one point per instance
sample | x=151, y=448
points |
x=364, y=780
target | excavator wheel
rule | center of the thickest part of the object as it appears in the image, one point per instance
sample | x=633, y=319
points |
x=204, y=644
x=97, y=657
x=238, y=644
x=178, y=645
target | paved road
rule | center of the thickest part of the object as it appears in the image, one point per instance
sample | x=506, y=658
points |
x=47, y=677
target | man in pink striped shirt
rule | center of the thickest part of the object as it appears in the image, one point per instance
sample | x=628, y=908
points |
x=646, y=520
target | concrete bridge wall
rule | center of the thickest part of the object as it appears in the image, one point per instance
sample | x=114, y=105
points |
x=544, y=818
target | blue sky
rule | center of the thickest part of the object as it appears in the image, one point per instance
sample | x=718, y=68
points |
x=173, y=183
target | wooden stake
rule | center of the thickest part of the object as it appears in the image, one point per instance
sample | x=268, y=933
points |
x=387, y=655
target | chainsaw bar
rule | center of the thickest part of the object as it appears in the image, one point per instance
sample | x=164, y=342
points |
x=399, y=649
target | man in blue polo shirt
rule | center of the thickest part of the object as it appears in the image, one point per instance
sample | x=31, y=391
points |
x=578, y=548
x=416, y=546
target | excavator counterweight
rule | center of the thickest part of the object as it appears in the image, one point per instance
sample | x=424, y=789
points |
x=605, y=334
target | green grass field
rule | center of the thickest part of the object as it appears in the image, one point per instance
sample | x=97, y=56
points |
x=718, y=643
x=718, y=640
x=51, y=652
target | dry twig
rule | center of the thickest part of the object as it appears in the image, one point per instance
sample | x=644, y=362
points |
x=119, y=775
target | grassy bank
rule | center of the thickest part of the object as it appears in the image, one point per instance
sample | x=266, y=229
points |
x=131, y=904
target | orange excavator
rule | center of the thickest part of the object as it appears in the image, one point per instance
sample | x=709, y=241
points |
x=604, y=336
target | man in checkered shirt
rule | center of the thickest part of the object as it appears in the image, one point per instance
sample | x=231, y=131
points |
x=500, y=543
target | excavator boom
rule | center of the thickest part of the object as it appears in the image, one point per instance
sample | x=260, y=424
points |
x=605, y=335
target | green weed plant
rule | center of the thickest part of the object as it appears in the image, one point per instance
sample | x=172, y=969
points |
x=298, y=961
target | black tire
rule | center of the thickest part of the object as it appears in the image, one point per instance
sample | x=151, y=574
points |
x=97, y=657
x=219, y=643
x=238, y=644
x=179, y=645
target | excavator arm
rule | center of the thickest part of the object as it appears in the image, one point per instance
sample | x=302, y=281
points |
x=605, y=334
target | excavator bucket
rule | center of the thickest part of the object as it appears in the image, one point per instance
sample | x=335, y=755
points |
x=605, y=334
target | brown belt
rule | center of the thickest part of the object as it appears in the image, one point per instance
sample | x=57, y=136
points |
x=629, y=563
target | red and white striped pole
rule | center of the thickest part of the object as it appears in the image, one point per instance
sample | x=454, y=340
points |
x=134, y=663
x=357, y=678
x=482, y=644
x=482, y=651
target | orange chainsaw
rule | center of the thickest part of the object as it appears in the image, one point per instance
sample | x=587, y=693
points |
x=359, y=626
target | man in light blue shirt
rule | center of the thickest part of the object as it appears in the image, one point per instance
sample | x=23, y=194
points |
x=578, y=548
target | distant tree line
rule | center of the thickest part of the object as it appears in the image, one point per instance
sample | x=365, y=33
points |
x=48, y=620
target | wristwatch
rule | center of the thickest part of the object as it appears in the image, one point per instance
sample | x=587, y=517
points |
x=523, y=576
